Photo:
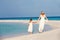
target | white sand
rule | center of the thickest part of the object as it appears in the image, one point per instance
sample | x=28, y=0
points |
x=49, y=35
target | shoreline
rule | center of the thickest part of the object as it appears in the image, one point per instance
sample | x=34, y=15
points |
x=48, y=35
x=26, y=20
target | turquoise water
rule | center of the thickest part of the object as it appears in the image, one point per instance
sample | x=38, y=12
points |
x=12, y=28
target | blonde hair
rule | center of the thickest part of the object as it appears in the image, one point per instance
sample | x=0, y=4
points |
x=42, y=13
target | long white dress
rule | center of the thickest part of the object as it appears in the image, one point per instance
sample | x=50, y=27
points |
x=41, y=23
x=30, y=27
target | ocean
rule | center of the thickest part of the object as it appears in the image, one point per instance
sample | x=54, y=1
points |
x=27, y=18
x=8, y=29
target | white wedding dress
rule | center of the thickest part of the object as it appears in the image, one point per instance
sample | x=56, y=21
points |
x=41, y=23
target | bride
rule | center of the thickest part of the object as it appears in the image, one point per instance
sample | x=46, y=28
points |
x=42, y=19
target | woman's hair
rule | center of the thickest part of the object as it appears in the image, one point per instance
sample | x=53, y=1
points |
x=42, y=13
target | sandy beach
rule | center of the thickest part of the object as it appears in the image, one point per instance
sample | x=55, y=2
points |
x=48, y=35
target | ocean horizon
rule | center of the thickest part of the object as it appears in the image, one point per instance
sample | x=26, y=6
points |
x=27, y=18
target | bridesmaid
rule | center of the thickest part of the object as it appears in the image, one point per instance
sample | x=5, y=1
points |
x=30, y=27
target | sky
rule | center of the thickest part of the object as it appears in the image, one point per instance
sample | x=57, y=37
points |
x=29, y=8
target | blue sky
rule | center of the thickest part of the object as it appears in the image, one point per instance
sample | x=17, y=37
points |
x=29, y=8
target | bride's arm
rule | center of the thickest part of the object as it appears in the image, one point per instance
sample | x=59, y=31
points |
x=39, y=18
x=46, y=17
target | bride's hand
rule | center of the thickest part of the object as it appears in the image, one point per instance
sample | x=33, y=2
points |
x=46, y=21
